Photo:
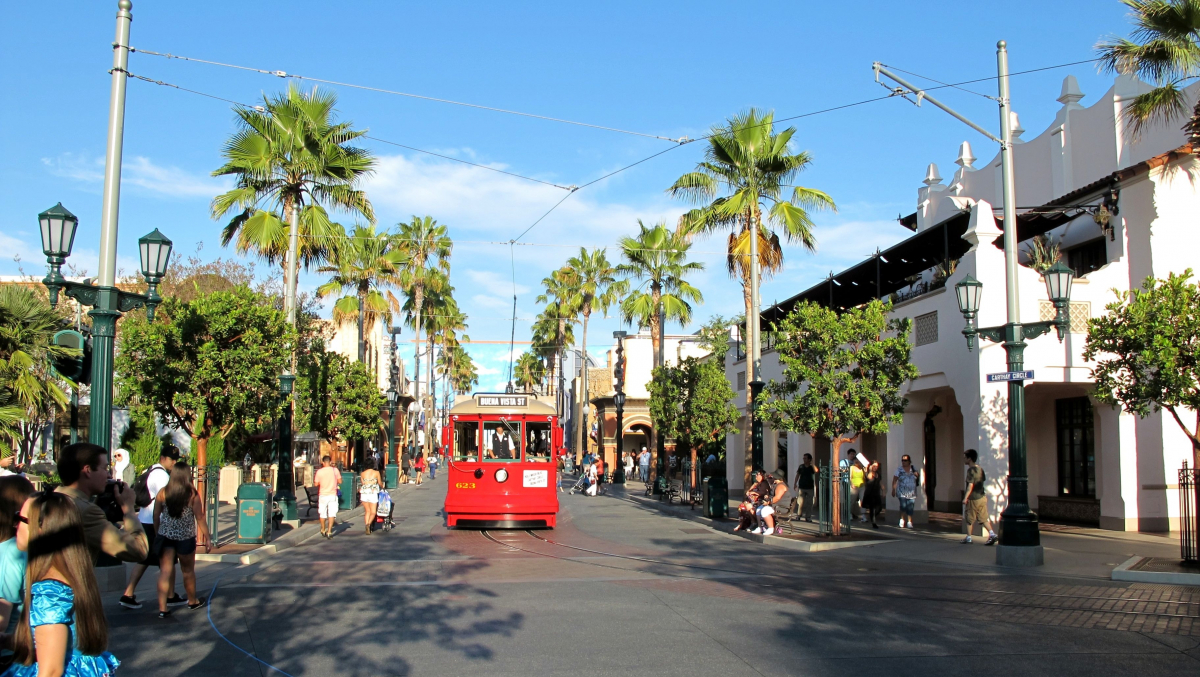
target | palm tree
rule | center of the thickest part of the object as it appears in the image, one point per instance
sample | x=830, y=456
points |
x=29, y=388
x=530, y=372
x=557, y=312
x=290, y=156
x=591, y=285
x=463, y=375
x=658, y=258
x=552, y=330
x=428, y=248
x=1165, y=50
x=745, y=170
x=365, y=267
x=445, y=328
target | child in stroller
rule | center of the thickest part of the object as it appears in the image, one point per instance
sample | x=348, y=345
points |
x=383, y=512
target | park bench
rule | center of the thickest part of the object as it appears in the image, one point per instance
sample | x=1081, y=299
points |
x=314, y=497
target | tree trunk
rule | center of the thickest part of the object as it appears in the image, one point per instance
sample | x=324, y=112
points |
x=835, y=488
x=418, y=302
x=582, y=396
x=430, y=394
x=748, y=455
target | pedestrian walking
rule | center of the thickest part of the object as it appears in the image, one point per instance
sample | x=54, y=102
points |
x=857, y=479
x=806, y=487
x=122, y=469
x=872, y=493
x=146, y=488
x=178, y=524
x=368, y=492
x=14, y=491
x=327, y=480
x=904, y=488
x=975, y=499
x=434, y=462
x=644, y=465
x=628, y=466
x=64, y=606
x=405, y=465
x=419, y=466
x=560, y=468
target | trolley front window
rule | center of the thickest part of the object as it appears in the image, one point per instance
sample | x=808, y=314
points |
x=466, y=441
x=501, y=441
x=537, y=441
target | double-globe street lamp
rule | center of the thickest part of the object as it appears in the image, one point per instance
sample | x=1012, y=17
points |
x=108, y=303
x=1018, y=524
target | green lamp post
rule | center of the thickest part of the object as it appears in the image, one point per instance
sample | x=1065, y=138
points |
x=108, y=303
x=1018, y=524
x=285, y=483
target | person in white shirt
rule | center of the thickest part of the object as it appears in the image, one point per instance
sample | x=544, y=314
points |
x=156, y=481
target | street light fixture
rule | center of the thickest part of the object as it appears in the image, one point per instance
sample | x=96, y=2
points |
x=58, y=227
x=618, y=476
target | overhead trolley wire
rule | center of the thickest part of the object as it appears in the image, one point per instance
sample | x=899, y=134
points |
x=286, y=75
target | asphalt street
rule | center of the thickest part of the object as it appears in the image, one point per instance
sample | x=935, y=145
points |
x=622, y=589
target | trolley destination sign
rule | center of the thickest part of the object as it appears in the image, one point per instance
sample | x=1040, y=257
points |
x=1010, y=376
x=503, y=401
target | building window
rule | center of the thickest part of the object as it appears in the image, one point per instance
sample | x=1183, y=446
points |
x=1076, y=448
x=741, y=379
x=925, y=327
x=1087, y=257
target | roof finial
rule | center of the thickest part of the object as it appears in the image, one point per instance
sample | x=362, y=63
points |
x=965, y=158
x=1071, y=94
x=932, y=176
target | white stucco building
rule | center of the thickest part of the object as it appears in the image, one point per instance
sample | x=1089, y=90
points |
x=1087, y=462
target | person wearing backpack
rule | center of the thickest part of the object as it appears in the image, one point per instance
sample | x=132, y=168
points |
x=153, y=480
x=975, y=499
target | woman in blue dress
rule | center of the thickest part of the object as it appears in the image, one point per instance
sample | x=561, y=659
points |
x=62, y=629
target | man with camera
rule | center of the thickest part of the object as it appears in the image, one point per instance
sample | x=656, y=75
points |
x=83, y=468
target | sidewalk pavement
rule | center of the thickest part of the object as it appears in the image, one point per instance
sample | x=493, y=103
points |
x=1072, y=551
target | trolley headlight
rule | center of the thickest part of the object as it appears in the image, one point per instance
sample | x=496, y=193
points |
x=501, y=475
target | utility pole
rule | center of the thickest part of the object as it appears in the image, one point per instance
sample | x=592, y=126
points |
x=1020, y=542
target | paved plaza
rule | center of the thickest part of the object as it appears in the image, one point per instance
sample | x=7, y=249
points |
x=624, y=588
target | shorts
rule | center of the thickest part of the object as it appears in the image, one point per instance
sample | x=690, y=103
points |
x=327, y=507
x=765, y=511
x=368, y=496
x=151, y=543
x=186, y=546
x=976, y=511
x=907, y=505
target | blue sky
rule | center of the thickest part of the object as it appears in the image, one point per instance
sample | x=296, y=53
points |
x=668, y=69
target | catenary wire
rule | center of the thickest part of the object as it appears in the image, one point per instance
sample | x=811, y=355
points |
x=283, y=74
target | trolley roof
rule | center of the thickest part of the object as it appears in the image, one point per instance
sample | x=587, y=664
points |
x=503, y=403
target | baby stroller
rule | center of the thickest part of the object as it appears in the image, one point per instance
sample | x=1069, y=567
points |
x=383, y=511
x=581, y=484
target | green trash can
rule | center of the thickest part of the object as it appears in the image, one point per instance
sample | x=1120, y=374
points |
x=391, y=476
x=716, y=497
x=349, y=489
x=254, y=513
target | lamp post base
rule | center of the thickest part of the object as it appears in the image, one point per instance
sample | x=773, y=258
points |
x=1020, y=555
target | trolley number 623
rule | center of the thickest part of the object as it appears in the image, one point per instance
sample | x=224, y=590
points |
x=464, y=485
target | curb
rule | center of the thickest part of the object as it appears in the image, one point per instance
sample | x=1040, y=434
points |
x=1126, y=572
x=809, y=546
x=288, y=540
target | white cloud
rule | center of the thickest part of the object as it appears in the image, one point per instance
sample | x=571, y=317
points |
x=494, y=281
x=141, y=172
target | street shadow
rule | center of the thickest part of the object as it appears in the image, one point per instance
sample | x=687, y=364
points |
x=354, y=616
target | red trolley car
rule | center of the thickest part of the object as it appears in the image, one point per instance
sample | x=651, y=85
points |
x=502, y=472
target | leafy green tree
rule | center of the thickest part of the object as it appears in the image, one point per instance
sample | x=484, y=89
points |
x=290, y=154
x=693, y=403
x=591, y=284
x=338, y=399
x=1165, y=50
x=30, y=389
x=657, y=259
x=1147, y=352
x=141, y=438
x=208, y=365
x=463, y=374
x=842, y=373
x=428, y=247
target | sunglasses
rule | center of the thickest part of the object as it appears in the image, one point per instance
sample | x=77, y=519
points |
x=18, y=517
